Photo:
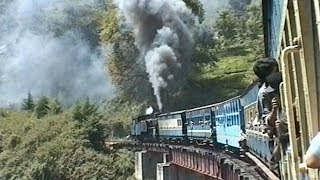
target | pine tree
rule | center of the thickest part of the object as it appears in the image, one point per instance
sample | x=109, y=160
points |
x=28, y=104
x=84, y=110
x=43, y=107
x=56, y=107
x=88, y=116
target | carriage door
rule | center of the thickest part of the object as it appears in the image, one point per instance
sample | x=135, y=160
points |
x=184, y=124
x=220, y=124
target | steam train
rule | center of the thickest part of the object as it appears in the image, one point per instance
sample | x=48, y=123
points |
x=221, y=123
x=292, y=36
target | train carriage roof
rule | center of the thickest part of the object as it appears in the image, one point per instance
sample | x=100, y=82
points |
x=172, y=113
x=202, y=107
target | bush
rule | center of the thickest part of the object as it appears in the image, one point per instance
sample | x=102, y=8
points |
x=42, y=107
x=54, y=148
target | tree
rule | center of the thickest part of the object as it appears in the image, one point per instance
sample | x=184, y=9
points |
x=204, y=48
x=254, y=29
x=55, y=149
x=122, y=63
x=56, y=107
x=88, y=116
x=42, y=108
x=196, y=7
x=28, y=104
x=239, y=5
x=227, y=25
x=83, y=110
x=72, y=17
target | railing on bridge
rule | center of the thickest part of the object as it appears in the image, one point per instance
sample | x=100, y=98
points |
x=208, y=163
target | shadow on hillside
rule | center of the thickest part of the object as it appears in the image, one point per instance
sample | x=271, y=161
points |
x=209, y=91
x=235, y=51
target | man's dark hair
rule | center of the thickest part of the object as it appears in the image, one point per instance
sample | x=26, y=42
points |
x=274, y=80
x=264, y=67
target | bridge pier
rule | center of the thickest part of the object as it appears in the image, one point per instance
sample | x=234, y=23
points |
x=165, y=170
x=146, y=164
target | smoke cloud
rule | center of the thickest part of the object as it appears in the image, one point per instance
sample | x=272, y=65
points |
x=163, y=38
x=32, y=58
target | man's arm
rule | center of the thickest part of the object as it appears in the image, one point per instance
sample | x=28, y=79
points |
x=313, y=153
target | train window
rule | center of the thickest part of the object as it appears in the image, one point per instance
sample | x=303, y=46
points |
x=232, y=107
x=238, y=105
x=236, y=120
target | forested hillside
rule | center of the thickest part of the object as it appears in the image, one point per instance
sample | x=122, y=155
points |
x=220, y=66
x=74, y=73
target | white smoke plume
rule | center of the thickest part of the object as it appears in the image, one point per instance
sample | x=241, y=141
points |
x=149, y=110
x=163, y=38
x=64, y=66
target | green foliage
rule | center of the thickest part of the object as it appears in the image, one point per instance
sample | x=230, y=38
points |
x=42, y=107
x=110, y=30
x=78, y=17
x=54, y=148
x=118, y=115
x=196, y=7
x=122, y=65
x=237, y=34
x=123, y=163
x=84, y=110
x=28, y=104
x=204, y=47
x=88, y=117
x=55, y=107
x=239, y=5
x=4, y=112
x=227, y=25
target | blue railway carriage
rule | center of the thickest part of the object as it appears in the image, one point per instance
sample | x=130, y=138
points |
x=257, y=141
x=229, y=122
x=200, y=124
x=172, y=126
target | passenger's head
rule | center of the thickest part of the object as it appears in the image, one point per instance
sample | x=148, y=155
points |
x=274, y=80
x=264, y=67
